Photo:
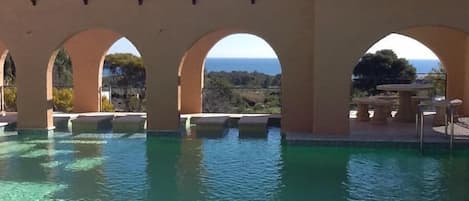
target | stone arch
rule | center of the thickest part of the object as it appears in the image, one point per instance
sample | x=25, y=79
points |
x=449, y=44
x=451, y=47
x=191, y=68
x=332, y=117
x=4, y=52
x=87, y=50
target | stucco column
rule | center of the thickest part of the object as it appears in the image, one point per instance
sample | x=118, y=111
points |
x=192, y=78
x=34, y=91
x=87, y=70
x=162, y=93
x=87, y=51
x=331, y=97
x=191, y=71
x=465, y=105
x=297, y=93
x=3, y=55
x=295, y=53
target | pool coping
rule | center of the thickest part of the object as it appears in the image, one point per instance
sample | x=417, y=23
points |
x=347, y=141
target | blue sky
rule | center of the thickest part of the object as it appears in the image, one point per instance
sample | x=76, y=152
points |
x=250, y=46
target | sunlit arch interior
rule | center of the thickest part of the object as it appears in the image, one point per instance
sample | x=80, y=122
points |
x=124, y=77
x=83, y=63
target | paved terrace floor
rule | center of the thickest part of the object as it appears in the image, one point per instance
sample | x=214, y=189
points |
x=360, y=132
x=391, y=134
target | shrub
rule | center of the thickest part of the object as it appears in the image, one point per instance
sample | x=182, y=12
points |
x=63, y=100
x=134, y=104
x=10, y=99
x=106, y=105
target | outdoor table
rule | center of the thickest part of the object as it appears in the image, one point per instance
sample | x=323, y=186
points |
x=406, y=91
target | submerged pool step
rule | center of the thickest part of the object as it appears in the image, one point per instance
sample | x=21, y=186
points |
x=8, y=121
x=63, y=122
x=129, y=123
x=255, y=126
x=92, y=123
x=211, y=127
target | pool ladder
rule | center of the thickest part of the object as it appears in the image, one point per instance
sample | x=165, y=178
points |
x=449, y=123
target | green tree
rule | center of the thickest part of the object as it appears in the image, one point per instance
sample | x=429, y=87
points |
x=241, y=92
x=134, y=104
x=106, y=105
x=437, y=77
x=127, y=70
x=9, y=72
x=62, y=72
x=217, y=95
x=383, y=67
x=127, y=73
x=63, y=100
x=10, y=99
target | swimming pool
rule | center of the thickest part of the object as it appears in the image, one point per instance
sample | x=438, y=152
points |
x=132, y=167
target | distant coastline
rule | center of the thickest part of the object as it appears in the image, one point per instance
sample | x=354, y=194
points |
x=271, y=66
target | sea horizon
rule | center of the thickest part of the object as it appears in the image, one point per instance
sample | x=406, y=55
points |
x=271, y=66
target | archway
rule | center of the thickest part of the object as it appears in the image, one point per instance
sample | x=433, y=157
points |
x=418, y=57
x=86, y=54
x=62, y=82
x=124, y=78
x=8, y=88
x=411, y=59
x=217, y=78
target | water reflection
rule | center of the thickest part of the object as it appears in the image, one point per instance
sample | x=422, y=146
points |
x=246, y=169
x=82, y=184
x=189, y=170
x=455, y=173
x=23, y=169
x=162, y=157
x=213, y=169
x=313, y=174
x=124, y=169
x=228, y=169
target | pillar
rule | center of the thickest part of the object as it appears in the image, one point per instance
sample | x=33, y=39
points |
x=295, y=53
x=333, y=65
x=3, y=55
x=331, y=96
x=465, y=105
x=34, y=90
x=87, y=52
x=191, y=71
x=192, y=79
x=297, y=92
x=162, y=89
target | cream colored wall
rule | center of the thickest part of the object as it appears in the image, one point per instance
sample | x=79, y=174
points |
x=191, y=72
x=452, y=53
x=318, y=43
x=87, y=51
x=344, y=30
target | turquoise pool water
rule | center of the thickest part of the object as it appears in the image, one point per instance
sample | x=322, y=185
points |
x=131, y=167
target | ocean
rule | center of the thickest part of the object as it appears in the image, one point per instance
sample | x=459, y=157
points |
x=272, y=66
x=267, y=66
x=424, y=65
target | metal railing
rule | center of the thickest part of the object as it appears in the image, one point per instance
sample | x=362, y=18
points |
x=419, y=124
x=450, y=110
x=125, y=99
